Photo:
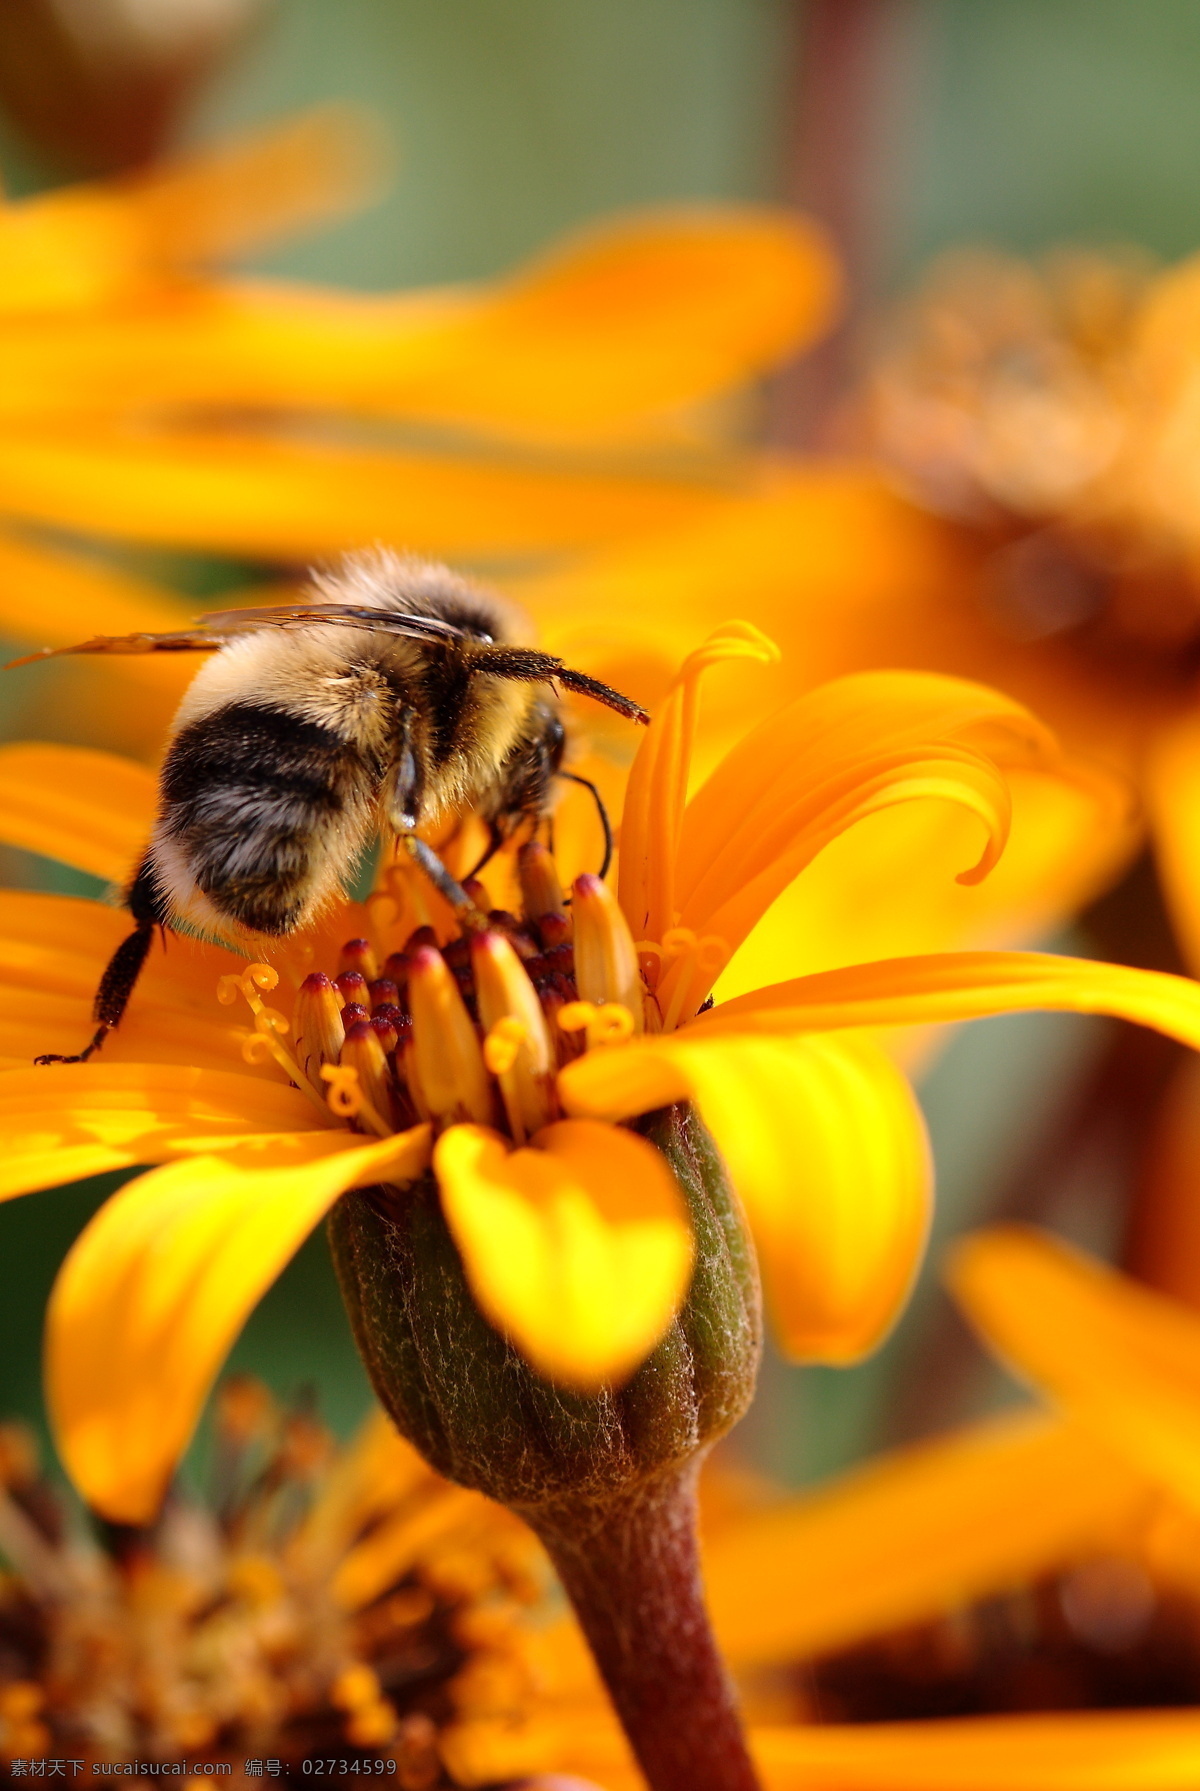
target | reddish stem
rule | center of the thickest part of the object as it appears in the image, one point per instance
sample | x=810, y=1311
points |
x=631, y=1568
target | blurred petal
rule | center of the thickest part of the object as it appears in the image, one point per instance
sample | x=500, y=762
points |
x=826, y=1147
x=1162, y=1247
x=1144, y=1750
x=84, y=808
x=915, y=1533
x=154, y=1292
x=964, y=985
x=95, y=242
x=1173, y=796
x=828, y=760
x=61, y=1122
x=246, y=493
x=605, y=332
x=579, y=1249
x=1118, y=1358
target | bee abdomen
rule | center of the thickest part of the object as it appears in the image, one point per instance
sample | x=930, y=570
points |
x=266, y=811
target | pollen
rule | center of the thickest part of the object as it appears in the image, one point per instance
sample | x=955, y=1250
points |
x=401, y=1027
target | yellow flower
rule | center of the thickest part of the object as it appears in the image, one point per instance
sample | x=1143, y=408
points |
x=572, y=1233
x=149, y=400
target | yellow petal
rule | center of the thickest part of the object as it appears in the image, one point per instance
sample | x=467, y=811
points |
x=964, y=985
x=94, y=242
x=1173, y=797
x=154, y=1292
x=826, y=1147
x=64, y=1121
x=915, y=1533
x=1143, y=1750
x=887, y=888
x=88, y=809
x=1120, y=1359
x=603, y=333
x=831, y=758
x=658, y=782
x=579, y=1249
x=246, y=493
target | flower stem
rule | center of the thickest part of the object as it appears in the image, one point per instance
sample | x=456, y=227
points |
x=630, y=1567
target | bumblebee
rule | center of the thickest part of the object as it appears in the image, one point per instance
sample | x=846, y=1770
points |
x=394, y=695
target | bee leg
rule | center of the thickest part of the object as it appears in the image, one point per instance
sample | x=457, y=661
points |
x=574, y=778
x=123, y=968
x=495, y=841
x=469, y=916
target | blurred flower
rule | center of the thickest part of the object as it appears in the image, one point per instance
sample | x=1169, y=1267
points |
x=575, y=1242
x=318, y=1602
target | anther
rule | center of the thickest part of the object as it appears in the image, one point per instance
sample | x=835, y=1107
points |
x=450, y=1072
x=363, y=1051
x=416, y=939
x=477, y=892
x=359, y=954
x=395, y=970
x=351, y=985
x=554, y=930
x=384, y=993
x=606, y=965
x=353, y=1014
x=541, y=891
x=511, y=1014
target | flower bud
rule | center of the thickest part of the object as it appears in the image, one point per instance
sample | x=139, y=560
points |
x=317, y=1025
x=447, y=1056
x=606, y=966
x=525, y=1069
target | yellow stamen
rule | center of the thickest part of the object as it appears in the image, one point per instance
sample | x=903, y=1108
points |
x=694, y=965
x=348, y=1100
x=450, y=1069
x=606, y=961
x=610, y=1024
x=269, y=1024
x=509, y=1008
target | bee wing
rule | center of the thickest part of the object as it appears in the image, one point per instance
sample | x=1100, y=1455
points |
x=188, y=641
x=212, y=631
x=348, y=615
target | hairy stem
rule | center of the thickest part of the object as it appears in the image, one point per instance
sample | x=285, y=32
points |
x=631, y=1569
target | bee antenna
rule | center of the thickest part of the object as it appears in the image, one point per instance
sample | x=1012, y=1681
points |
x=574, y=778
x=534, y=667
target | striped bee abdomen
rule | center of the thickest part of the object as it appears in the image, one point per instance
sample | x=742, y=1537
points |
x=263, y=813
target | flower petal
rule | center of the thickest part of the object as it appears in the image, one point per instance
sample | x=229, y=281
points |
x=1094, y=1750
x=915, y=1533
x=827, y=760
x=964, y=985
x=97, y=241
x=579, y=1249
x=1120, y=1359
x=237, y=492
x=826, y=1147
x=84, y=808
x=64, y=1121
x=154, y=1292
x=607, y=330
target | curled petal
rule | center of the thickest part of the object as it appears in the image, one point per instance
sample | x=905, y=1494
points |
x=579, y=1249
x=156, y=1288
x=827, y=760
x=826, y=1147
x=1121, y=1360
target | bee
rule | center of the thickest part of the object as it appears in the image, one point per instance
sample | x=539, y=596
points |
x=394, y=695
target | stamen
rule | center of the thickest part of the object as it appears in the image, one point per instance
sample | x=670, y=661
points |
x=610, y=1024
x=396, y=970
x=384, y=993
x=269, y=1024
x=523, y=1057
x=606, y=963
x=353, y=1013
x=541, y=890
x=363, y=1052
x=351, y=985
x=348, y=1100
x=318, y=1024
x=696, y=964
x=449, y=1064
x=359, y=954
